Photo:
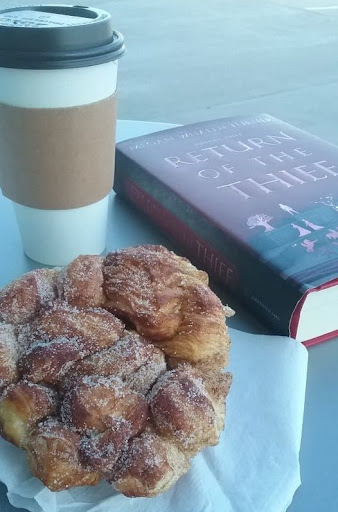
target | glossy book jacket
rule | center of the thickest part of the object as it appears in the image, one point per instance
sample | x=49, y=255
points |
x=252, y=200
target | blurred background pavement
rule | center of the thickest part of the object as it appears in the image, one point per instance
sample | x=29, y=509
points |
x=190, y=60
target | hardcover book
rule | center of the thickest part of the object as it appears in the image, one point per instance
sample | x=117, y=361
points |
x=253, y=201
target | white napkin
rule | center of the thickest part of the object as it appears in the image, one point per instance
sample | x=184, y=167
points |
x=255, y=467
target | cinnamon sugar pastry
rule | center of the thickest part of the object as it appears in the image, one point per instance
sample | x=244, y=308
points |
x=184, y=411
x=132, y=358
x=81, y=282
x=22, y=299
x=169, y=301
x=149, y=466
x=54, y=457
x=62, y=334
x=8, y=355
x=113, y=368
x=22, y=406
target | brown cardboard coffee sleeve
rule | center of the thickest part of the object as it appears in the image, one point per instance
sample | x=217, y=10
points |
x=57, y=158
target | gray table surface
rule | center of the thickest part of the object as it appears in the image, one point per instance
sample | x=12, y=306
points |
x=319, y=452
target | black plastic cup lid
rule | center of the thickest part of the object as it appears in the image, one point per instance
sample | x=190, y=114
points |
x=57, y=36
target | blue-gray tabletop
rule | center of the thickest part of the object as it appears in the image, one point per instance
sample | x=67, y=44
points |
x=319, y=451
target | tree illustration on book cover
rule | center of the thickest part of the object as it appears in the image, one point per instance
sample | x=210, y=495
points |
x=260, y=219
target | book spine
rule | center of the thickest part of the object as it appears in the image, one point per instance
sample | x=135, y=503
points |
x=267, y=294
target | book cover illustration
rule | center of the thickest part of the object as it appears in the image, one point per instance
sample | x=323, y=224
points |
x=304, y=246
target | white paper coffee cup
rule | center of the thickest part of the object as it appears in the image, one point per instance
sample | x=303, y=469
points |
x=60, y=86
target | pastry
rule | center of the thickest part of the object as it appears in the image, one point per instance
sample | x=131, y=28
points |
x=54, y=457
x=113, y=368
x=21, y=300
x=183, y=410
x=146, y=284
x=169, y=301
x=81, y=282
x=95, y=403
x=62, y=334
x=132, y=358
x=9, y=354
x=22, y=406
x=149, y=466
x=102, y=450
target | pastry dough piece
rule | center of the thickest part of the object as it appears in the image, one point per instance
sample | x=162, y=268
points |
x=183, y=410
x=80, y=283
x=218, y=385
x=144, y=284
x=95, y=327
x=8, y=355
x=149, y=466
x=102, y=450
x=48, y=362
x=53, y=456
x=62, y=335
x=202, y=335
x=133, y=359
x=169, y=301
x=96, y=403
x=22, y=299
x=22, y=406
x=143, y=379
